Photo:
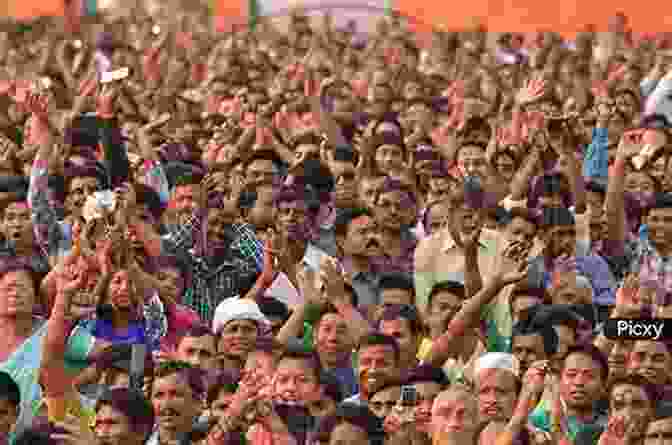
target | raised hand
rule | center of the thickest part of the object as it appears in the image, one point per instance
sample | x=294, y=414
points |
x=532, y=92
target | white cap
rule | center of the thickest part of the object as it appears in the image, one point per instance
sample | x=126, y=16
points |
x=497, y=360
x=236, y=309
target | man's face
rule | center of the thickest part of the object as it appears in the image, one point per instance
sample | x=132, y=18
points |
x=259, y=363
x=171, y=283
x=580, y=381
x=618, y=358
x=465, y=220
x=383, y=402
x=369, y=192
x=291, y=219
x=521, y=230
x=377, y=364
x=295, y=381
x=659, y=222
x=221, y=404
x=400, y=329
x=439, y=188
x=175, y=404
x=560, y=240
x=659, y=432
x=496, y=391
x=8, y=415
x=260, y=172
x=566, y=290
x=238, y=338
x=346, y=183
x=80, y=189
x=198, y=351
x=390, y=210
x=362, y=238
x=389, y=158
x=454, y=412
x=18, y=294
x=332, y=339
x=113, y=427
x=528, y=349
x=427, y=393
x=439, y=215
x=471, y=162
x=651, y=360
x=445, y=305
x=632, y=403
x=185, y=201
x=396, y=296
x=16, y=224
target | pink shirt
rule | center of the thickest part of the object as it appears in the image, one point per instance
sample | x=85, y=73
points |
x=180, y=320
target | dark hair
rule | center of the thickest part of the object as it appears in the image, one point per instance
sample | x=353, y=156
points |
x=39, y=434
x=547, y=333
x=262, y=155
x=595, y=354
x=193, y=376
x=427, y=373
x=148, y=196
x=406, y=312
x=131, y=404
x=358, y=415
x=662, y=201
x=272, y=307
x=556, y=216
x=663, y=411
x=332, y=386
x=394, y=280
x=223, y=381
x=197, y=331
x=635, y=380
x=9, y=390
x=345, y=217
x=378, y=339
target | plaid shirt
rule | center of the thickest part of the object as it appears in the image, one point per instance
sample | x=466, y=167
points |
x=215, y=282
x=654, y=270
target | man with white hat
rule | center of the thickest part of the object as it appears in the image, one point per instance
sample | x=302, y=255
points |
x=237, y=323
x=497, y=385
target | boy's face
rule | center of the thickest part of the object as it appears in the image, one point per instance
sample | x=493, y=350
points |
x=8, y=415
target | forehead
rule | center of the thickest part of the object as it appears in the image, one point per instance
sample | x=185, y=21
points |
x=662, y=425
x=240, y=323
x=331, y=319
x=581, y=361
x=107, y=410
x=396, y=325
x=172, y=381
x=519, y=223
x=294, y=365
x=446, y=296
x=471, y=151
x=527, y=340
x=623, y=390
x=17, y=207
x=500, y=378
x=203, y=340
x=652, y=347
x=391, y=393
x=376, y=351
x=454, y=399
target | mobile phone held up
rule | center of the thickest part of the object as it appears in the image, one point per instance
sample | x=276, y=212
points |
x=114, y=76
x=406, y=404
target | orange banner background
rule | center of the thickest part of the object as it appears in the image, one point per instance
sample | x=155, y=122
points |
x=566, y=16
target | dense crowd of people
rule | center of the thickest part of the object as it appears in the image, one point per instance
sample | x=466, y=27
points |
x=303, y=237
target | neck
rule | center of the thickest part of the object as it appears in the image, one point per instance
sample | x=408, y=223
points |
x=584, y=414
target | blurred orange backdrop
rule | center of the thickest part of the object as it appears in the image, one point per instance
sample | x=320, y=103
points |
x=566, y=16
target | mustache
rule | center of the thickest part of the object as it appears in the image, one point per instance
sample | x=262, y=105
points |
x=169, y=412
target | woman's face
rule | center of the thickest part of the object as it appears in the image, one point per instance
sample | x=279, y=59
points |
x=389, y=158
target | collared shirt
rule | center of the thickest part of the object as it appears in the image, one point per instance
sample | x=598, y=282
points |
x=213, y=282
x=438, y=257
x=654, y=270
